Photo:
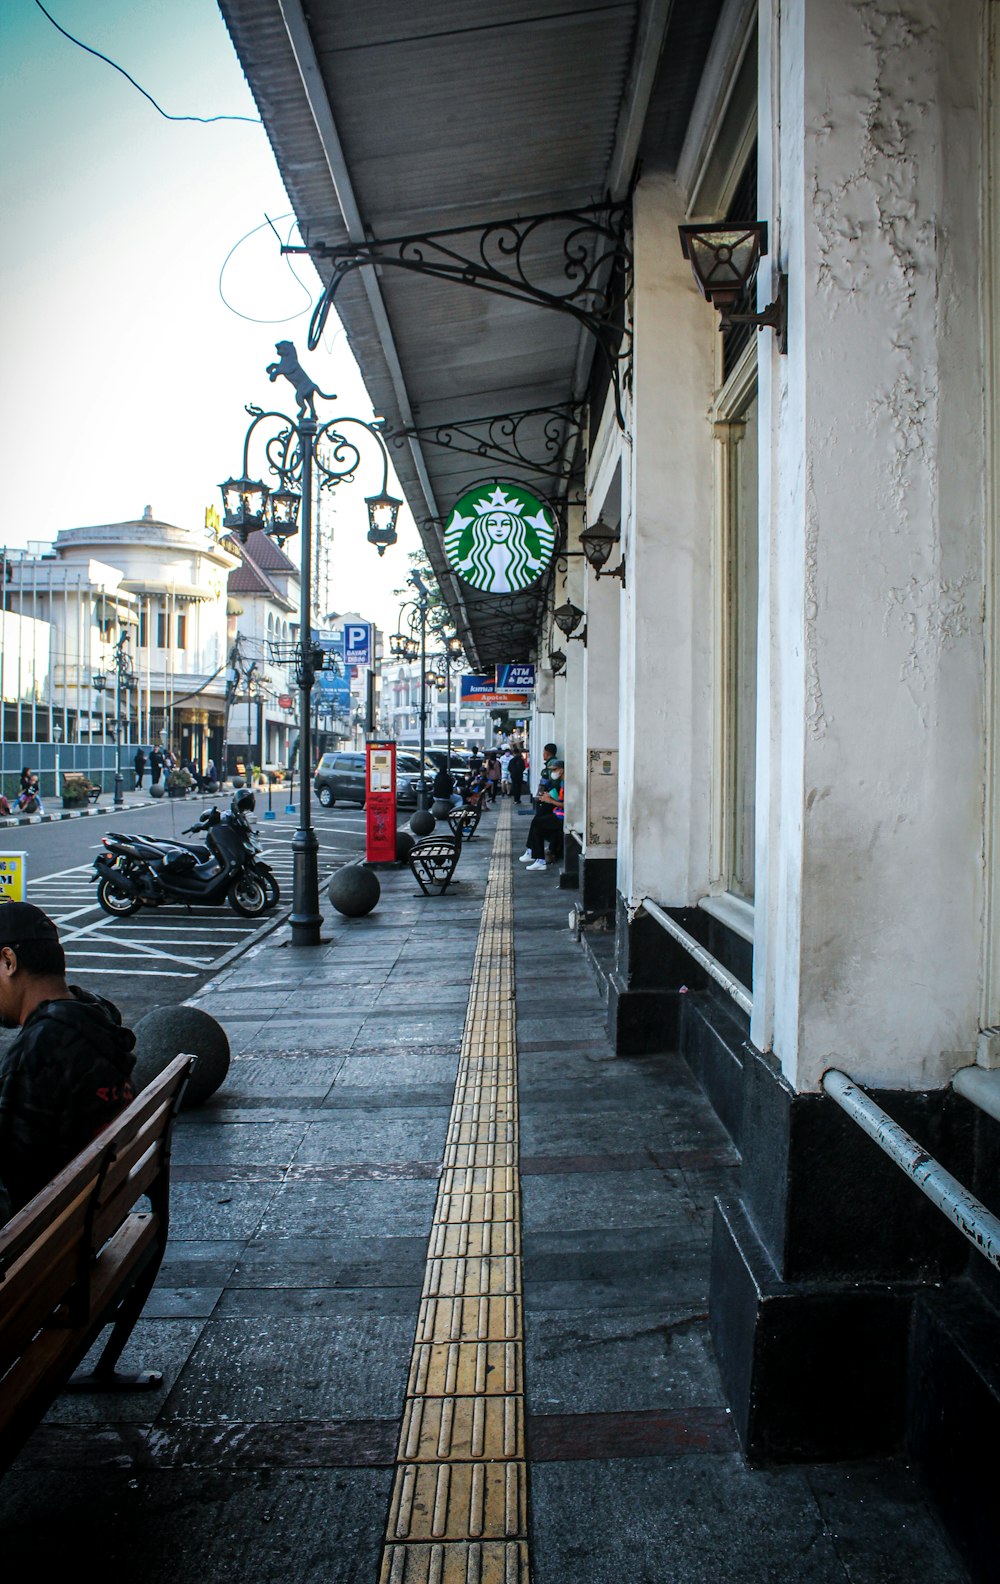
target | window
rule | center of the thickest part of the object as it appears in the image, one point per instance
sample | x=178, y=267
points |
x=741, y=645
x=143, y=628
x=161, y=629
x=181, y=630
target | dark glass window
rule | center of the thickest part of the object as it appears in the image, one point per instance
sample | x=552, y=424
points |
x=743, y=207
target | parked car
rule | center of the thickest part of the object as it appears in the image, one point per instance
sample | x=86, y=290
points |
x=340, y=777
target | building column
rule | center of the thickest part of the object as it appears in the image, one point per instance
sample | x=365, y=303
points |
x=870, y=751
x=665, y=655
x=570, y=733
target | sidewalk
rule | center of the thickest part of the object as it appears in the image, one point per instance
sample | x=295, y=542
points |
x=286, y=1310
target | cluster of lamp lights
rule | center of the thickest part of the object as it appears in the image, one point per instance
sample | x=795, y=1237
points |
x=250, y=506
x=597, y=541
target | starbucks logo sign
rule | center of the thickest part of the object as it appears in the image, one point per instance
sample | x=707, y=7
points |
x=499, y=537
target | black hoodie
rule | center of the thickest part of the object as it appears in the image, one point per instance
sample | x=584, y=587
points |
x=62, y=1080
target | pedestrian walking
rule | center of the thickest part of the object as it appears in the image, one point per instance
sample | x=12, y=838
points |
x=492, y=775
x=516, y=771
x=155, y=766
x=139, y=763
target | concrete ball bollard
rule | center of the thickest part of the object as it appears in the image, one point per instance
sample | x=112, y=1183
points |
x=405, y=843
x=157, y=790
x=354, y=890
x=422, y=822
x=441, y=808
x=170, y=1031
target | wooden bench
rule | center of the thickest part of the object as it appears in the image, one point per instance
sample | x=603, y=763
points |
x=80, y=1256
x=78, y=788
x=434, y=861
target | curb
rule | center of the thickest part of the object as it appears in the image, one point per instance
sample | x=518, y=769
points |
x=11, y=821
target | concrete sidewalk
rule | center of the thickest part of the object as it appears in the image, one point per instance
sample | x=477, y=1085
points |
x=286, y=1309
x=54, y=810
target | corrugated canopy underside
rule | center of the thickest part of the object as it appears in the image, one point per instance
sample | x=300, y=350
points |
x=448, y=114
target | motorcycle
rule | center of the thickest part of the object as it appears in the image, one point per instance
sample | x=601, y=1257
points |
x=135, y=872
x=202, y=852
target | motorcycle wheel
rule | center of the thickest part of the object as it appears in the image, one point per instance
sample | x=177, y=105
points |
x=270, y=884
x=247, y=895
x=116, y=901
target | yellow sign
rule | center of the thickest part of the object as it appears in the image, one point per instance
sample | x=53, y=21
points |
x=213, y=522
x=13, y=878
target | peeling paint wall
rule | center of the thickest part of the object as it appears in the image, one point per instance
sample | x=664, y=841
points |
x=872, y=530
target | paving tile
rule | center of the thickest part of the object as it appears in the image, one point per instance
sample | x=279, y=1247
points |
x=160, y=1344
x=311, y=1209
x=222, y=1141
x=217, y=1210
x=305, y=1367
x=197, y=1526
x=375, y=1135
x=689, y=1520
x=613, y=1199
x=343, y=1261
x=585, y=1362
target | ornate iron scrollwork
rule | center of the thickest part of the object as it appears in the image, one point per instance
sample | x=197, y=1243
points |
x=542, y=440
x=515, y=258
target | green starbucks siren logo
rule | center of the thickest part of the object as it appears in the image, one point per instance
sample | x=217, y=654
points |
x=499, y=538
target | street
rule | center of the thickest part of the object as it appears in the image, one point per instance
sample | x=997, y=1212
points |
x=164, y=954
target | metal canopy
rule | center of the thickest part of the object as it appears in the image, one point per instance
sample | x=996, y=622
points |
x=395, y=119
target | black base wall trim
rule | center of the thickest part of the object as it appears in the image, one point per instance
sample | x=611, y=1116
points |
x=812, y=1370
x=569, y=877
x=641, y=1021
x=597, y=885
x=712, y=1039
x=954, y=1418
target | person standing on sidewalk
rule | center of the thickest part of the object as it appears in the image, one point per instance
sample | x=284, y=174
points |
x=140, y=768
x=516, y=771
x=155, y=766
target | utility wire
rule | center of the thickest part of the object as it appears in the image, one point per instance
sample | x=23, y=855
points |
x=253, y=120
x=287, y=318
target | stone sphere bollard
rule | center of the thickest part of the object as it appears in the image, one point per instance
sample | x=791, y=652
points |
x=354, y=890
x=441, y=808
x=422, y=822
x=405, y=843
x=169, y=1031
x=157, y=789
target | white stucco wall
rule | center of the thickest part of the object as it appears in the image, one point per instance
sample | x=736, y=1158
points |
x=665, y=669
x=870, y=746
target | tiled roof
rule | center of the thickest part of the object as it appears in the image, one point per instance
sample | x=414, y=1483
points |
x=259, y=557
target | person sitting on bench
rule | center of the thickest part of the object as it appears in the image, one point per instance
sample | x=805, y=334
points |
x=66, y=1075
x=547, y=824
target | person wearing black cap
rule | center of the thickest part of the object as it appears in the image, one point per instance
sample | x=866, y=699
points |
x=66, y=1075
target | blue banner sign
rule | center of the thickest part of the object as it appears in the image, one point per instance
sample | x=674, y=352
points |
x=515, y=678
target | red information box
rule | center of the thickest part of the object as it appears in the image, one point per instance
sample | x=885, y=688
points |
x=380, y=802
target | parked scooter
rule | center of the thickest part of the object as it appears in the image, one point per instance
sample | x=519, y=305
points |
x=134, y=872
x=243, y=802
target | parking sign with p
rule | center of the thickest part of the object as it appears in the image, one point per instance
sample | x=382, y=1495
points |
x=358, y=644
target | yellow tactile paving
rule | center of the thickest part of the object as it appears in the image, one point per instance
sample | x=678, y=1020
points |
x=459, y=1502
x=465, y=1369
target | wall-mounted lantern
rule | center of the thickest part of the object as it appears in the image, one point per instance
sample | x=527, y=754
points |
x=724, y=258
x=597, y=542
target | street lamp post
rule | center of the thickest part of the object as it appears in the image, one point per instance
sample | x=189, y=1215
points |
x=294, y=457
x=122, y=662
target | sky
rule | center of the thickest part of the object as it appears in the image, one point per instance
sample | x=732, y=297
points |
x=125, y=373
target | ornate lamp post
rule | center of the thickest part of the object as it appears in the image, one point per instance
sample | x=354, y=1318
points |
x=303, y=454
x=124, y=679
